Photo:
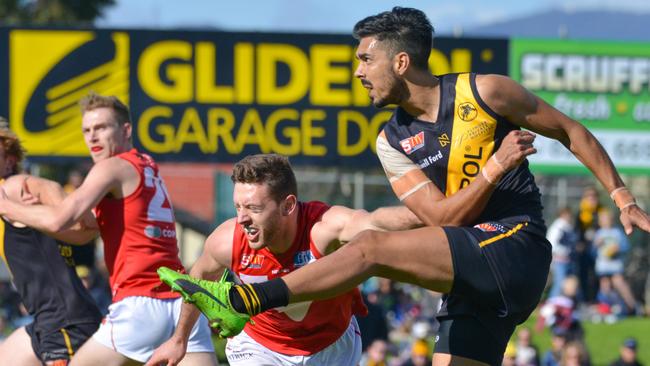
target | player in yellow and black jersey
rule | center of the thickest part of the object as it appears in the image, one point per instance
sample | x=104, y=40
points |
x=43, y=272
x=455, y=155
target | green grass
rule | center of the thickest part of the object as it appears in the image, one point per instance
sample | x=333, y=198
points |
x=603, y=340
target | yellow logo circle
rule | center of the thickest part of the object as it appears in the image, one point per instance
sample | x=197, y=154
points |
x=467, y=112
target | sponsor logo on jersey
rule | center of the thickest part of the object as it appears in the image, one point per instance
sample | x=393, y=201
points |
x=152, y=231
x=489, y=227
x=51, y=71
x=155, y=232
x=467, y=111
x=478, y=131
x=252, y=261
x=412, y=143
x=443, y=140
x=303, y=258
x=430, y=160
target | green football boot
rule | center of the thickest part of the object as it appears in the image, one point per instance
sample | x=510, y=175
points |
x=210, y=297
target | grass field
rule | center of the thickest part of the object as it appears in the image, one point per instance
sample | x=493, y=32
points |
x=604, y=340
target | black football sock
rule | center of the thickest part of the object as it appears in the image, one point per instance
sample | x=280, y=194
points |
x=254, y=298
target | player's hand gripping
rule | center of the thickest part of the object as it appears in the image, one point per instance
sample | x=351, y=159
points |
x=169, y=353
x=515, y=147
x=634, y=216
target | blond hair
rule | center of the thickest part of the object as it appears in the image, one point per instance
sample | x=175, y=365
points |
x=94, y=101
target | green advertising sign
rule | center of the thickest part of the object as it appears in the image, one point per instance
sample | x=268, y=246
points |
x=604, y=85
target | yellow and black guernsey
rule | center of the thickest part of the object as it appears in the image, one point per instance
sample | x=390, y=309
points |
x=453, y=150
x=44, y=274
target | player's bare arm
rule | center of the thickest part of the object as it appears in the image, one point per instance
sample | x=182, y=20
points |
x=518, y=105
x=428, y=202
x=110, y=176
x=215, y=258
x=340, y=224
x=25, y=189
x=394, y=218
x=217, y=252
x=337, y=226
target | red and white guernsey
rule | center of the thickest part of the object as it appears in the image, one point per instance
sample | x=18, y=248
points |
x=139, y=234
x=299, y=329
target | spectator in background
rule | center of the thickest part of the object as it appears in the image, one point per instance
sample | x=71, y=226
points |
x=575, y=354
x=390, y=298
x=587, y=223
x=563, y=238
x=611, y=245
x=97, y=287
x=376, y=354
x=610, y=305
x=510, y=355
x=553, y=356
x=559, y=312
x=527, y=353
x=628, y=354
x=75, y=178
x=588, y=213
x=419, y=354
x=373, y=326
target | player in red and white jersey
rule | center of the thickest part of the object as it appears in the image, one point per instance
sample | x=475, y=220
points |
x=149, y=237
x=272, y=235
x=135, y=219
x=309, y=326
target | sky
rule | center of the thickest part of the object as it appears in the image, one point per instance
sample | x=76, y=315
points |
x=331, y=16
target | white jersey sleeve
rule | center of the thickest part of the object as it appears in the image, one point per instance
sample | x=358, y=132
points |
x=405, y=176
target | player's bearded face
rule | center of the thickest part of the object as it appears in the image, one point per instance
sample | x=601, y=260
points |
x=394, y=87
x=258, y=214
x=376, y=73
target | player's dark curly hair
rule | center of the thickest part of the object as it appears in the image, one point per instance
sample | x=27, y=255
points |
x=402, y=30
x=270, y=169
x=12, y=147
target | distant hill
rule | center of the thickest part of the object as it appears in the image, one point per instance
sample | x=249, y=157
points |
x=578, y=24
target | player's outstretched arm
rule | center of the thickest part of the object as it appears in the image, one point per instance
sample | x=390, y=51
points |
x=104, y=177
x=28, y=190
x=210, y=265
x=340, y=224
x=513, y=101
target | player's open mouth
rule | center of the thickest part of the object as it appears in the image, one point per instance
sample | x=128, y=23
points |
x=251, y=233
x=96, y=148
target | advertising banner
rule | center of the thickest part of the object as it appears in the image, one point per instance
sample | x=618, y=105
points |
x=205, y=96
x=604, y=85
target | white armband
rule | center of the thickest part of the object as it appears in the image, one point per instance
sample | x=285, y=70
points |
x=404, y=175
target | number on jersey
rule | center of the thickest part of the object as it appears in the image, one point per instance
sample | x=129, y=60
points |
x=156, y=211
